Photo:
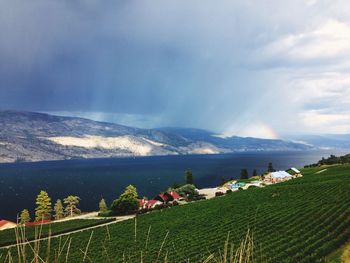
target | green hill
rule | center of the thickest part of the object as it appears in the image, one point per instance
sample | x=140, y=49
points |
x=302, y=220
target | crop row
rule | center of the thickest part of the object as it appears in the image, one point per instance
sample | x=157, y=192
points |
x=298, y=221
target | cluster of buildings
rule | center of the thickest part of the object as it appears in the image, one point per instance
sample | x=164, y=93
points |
x=270, y=178
x=161, y=199
x=172, y=196
x=282, y=176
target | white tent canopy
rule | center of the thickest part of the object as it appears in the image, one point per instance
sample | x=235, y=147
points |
x=280, y=174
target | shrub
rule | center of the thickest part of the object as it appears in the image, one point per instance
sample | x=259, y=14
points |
x=219, y=193
x=187, y=189
x=125, y=206
x=229, y=191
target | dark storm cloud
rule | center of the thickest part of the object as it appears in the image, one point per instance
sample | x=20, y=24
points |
x=208, y=64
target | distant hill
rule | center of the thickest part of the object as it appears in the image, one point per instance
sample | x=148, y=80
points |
x=28, y=136
x=325, y=141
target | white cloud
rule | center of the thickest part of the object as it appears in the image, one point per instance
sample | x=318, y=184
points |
x=252, y=129
x=326, y=123
x=329, y=40
x=247, y=68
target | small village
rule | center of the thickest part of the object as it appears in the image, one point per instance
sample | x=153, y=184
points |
x=182, y=195
x=172, y=197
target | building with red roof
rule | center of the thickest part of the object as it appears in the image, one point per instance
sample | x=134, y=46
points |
x=168, y=197
x=164, y=197
x=175, y=195
x=4, y=224
x=153, y=203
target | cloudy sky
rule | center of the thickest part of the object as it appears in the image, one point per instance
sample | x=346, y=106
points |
x=251, y=68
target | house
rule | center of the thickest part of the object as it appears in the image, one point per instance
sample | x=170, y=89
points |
x=147, y=204
x=295, y=172
x=153, y=203
x=143, y=203
x=176, y=196
x=4, y=224
x=164, y=197
x=168, y=197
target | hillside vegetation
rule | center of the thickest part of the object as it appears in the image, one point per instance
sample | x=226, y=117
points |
x=8, y=237
x=301, y=220
x=29, y=136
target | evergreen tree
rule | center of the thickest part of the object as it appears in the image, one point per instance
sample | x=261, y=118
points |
x=189, y=177
x=223, y=181
x=244, y=174
x=25, y=216
x=255, y=173
x=103, y=206
x=130, y=190
x=43, y=209
x=127, y=202
x=270, y=168
x=58, y=208
x=72, y=202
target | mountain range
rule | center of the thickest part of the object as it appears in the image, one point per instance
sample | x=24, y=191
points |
x=29, y=136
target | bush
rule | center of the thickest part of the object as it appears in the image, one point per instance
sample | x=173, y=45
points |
x=187, y=189
x=219, y=193
x=229, y=191
x=240, y=188
x=125, y=206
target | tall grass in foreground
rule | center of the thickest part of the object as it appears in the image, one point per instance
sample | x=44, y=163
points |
x=41, y=250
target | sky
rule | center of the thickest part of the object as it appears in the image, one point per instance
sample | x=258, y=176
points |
x=251, y=68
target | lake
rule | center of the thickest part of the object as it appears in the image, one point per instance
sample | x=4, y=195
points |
x=96, y=178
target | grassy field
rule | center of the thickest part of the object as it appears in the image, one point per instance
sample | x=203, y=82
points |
x=8, y=237
x=302, y=220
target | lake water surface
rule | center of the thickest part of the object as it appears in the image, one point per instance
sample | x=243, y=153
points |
x=96, y=178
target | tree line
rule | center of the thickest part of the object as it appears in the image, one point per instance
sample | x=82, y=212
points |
x=332, y=159
x=44, y=211
x=245, y=174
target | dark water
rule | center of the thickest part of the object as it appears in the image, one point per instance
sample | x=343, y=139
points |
x=93, y=179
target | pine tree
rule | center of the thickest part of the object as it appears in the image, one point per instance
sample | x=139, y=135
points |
x=58, y=208
x=72, y=202
x=130, y=190
x=189, y=177
x=255, y=173
x=270, y=168
x=43, y=209
x=244, y=174
x=223, y=181
x=103, y=206
x=25, y=216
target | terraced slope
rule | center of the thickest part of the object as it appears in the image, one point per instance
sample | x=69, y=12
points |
x=298, y=221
